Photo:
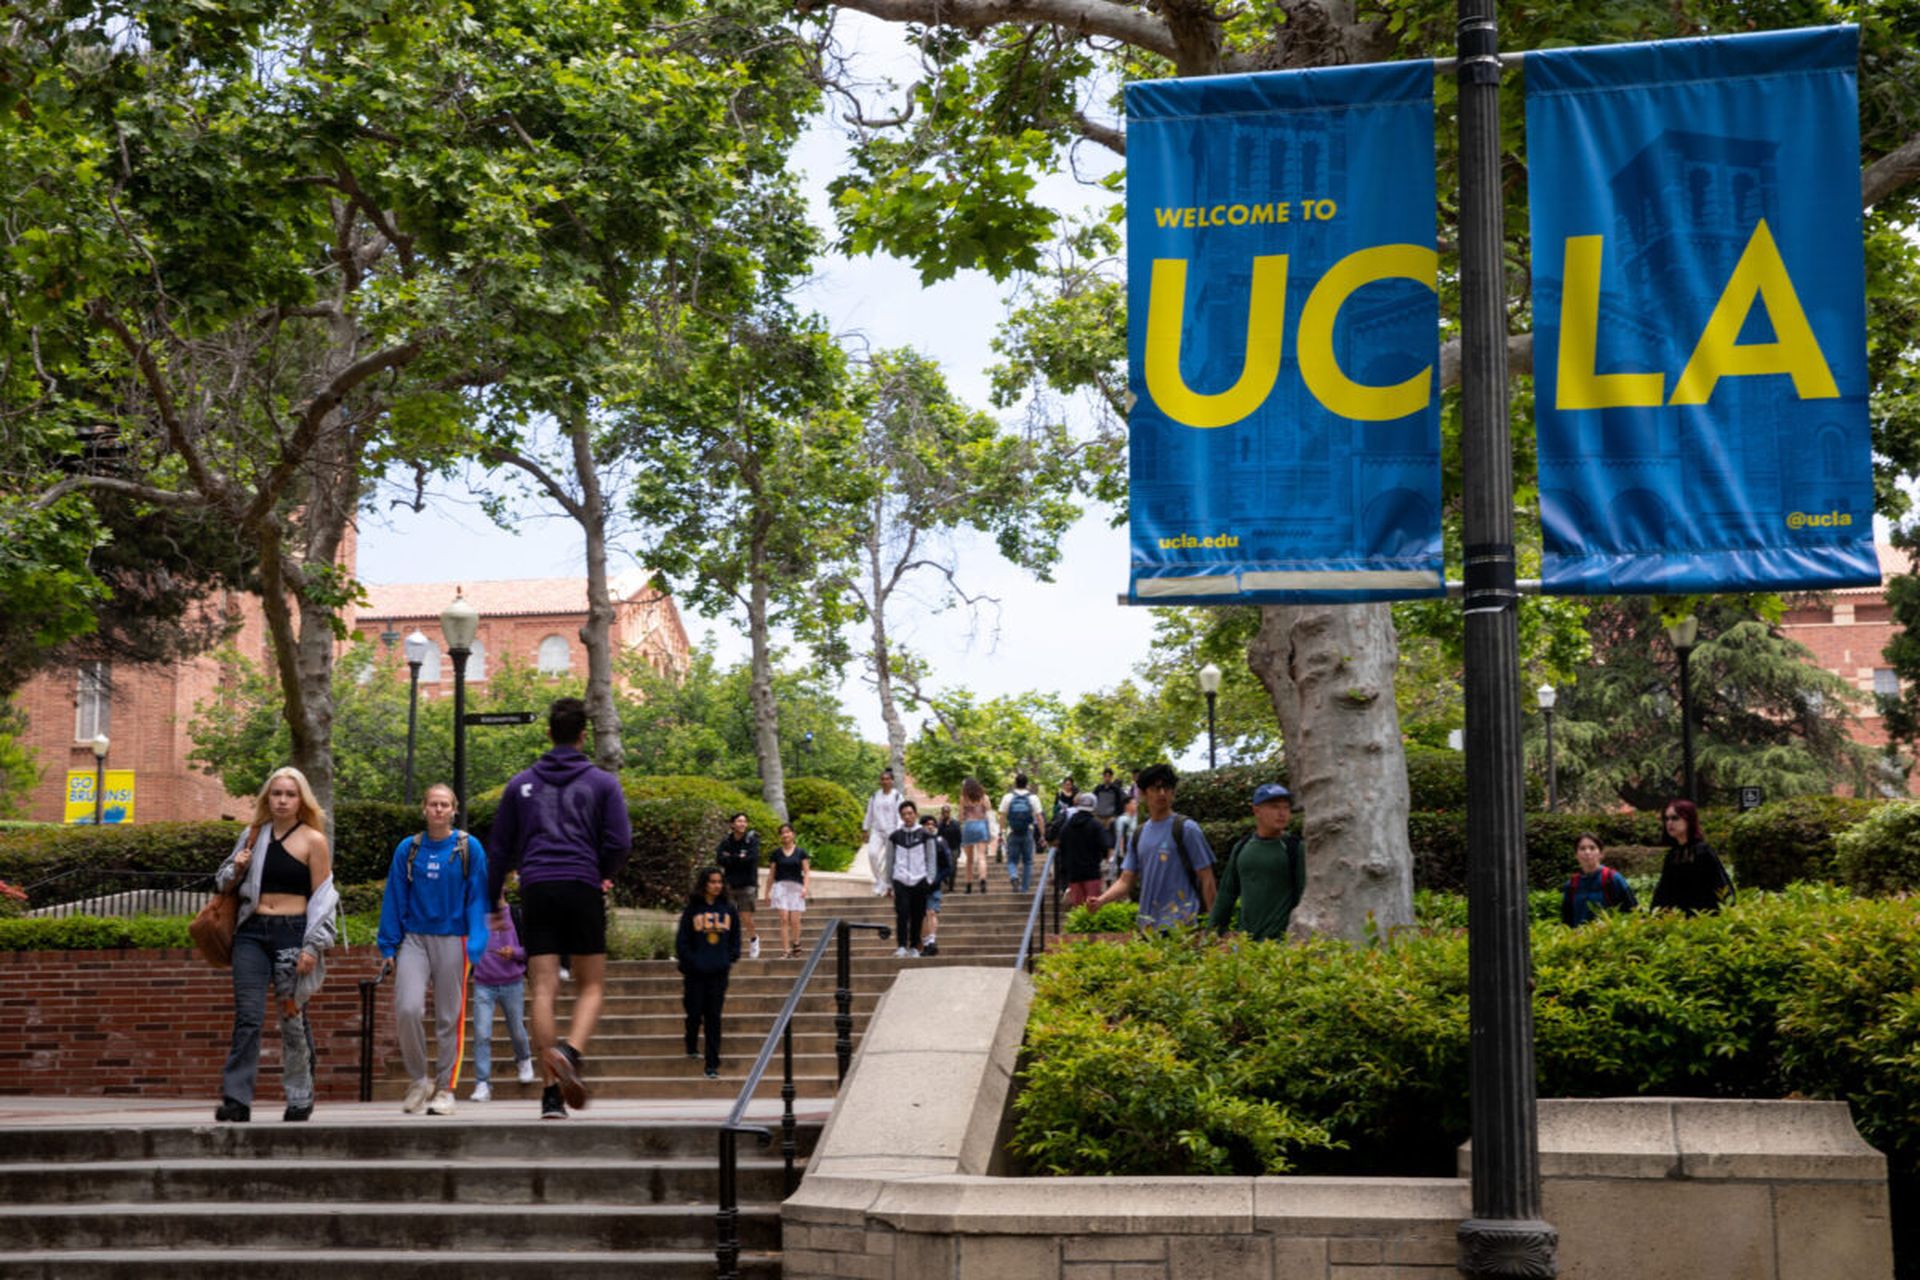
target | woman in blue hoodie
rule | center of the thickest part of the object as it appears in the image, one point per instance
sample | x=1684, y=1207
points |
x=433, y=923
x=706, y=946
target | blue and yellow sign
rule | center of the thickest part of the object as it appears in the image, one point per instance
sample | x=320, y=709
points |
x=1700, y=315
x=1284, y=336
x=116, y=797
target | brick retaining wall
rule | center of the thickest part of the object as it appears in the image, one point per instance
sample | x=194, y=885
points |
x=157, y=1023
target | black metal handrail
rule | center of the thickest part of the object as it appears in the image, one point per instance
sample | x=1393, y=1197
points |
x=727, y=1221
x=367, y=987
x=1035, y=915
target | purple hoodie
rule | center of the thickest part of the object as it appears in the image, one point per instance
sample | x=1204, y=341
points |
x=563, y=819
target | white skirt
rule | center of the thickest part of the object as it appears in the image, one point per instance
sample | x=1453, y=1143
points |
x=787, y=895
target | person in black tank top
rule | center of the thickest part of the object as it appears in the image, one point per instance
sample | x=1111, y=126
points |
x=792, y=883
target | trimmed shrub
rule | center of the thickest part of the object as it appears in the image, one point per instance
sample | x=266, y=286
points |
x=1788, y=840
x=364, y=898
x=1353, y=1058
x=640, y=941
x=97, y=933
x=57, y=864
x=826, y=819
x=1882, y=854
x=1439, y=843
x=365, y=833
x=1222, y=795
x=1115, y=917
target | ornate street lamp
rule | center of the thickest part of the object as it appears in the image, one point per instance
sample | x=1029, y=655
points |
x=417, y=648
x=1210, y=685
x=100, y=745
x=459, y=624
x=1546, y=695
x=1682, y=635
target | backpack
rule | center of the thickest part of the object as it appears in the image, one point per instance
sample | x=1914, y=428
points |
x=459, y=851
x=1180, y=824
x=1609, y=885
x=1020, y=812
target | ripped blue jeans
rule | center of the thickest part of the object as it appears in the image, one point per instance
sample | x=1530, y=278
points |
x=265, y=951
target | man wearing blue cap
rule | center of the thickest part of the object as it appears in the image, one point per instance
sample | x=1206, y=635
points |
x=1266, y=872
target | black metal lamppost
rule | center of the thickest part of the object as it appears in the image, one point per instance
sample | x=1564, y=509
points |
x=459, y=624
x=417, y=647
x=1210, y=685
x=100, y=745
x=1546, y=695
x=1683, y=635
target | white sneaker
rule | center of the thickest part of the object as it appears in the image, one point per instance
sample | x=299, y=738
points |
x=566, y=975
x=901, y=953
x=417, y=1094
x=482, y=1092
x=442, y=1104
x=525, y=1068
x=753, y=948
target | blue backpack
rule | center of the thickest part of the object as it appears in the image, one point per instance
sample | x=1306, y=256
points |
x=1020, y=812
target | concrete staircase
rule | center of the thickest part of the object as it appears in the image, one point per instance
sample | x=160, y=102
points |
x=362, y=1191
x=639, y=1051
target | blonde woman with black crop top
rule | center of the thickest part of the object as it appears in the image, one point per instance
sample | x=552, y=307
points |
x=283, y=870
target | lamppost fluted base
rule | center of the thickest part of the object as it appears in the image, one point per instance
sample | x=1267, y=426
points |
x=1496, y=1248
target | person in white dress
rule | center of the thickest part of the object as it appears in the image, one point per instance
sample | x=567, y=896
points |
x=882, y=820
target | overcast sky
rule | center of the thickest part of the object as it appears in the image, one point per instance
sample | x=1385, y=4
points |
x=1067, y=637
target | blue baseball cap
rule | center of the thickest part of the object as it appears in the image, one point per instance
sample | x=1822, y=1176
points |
x=1271, y=791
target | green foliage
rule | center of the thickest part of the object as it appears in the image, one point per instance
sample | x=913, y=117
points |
x=826, y=821
x=1363, y=1052
x=1225, y=794
x=19, y=766
x=116, y=933
x=65, y=864
x=1882, y=853
x=1032, y=733
x=1788, y=840
x=1115, y=917
x=1439, y=842
x=364, y=898
x=639, y=941
x=364, y=835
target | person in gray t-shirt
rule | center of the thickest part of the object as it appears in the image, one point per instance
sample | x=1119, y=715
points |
x=1170, y=894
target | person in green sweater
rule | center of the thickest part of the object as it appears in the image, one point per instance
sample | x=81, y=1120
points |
x=1266, y=872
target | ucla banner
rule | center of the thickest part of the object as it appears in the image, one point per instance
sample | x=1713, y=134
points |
x=1700, y=315
x=1283, y=335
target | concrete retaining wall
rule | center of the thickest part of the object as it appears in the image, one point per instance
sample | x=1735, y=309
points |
x=907, y=1183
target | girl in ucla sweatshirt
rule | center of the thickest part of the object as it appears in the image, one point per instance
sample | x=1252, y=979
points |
x=706, y=946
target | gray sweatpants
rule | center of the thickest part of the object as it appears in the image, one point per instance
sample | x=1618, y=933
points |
x=441, y=957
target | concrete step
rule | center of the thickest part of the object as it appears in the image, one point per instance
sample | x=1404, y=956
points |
x=666, y=1041
x=372, y=1264
x=652, y=1079
x=733, y=1019
x=279, y=1224
x=689, y=1180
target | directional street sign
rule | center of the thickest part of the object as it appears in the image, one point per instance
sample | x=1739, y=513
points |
x=473, y=718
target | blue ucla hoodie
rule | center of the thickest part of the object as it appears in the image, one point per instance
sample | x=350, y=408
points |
x=439, y=900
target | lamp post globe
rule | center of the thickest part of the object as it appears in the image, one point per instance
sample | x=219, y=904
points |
x=100, y=744
x=459, y=624
x=1210, y=685
x=1546, y=695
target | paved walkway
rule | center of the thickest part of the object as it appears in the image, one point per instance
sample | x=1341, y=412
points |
x=68, y=1112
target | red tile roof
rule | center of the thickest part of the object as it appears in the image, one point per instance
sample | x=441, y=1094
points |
x=493, y=599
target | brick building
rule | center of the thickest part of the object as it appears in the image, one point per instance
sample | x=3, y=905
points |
x=145, y=712
x=1848, y=632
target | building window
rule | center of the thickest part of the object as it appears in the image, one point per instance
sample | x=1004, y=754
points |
x=477, y=662
x=1886, y=683
x=93, y=701
x=430, y=665
x=554, y=657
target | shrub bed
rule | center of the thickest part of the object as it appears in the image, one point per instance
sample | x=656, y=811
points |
x=826, y=819
x=1792, y=839
x=1174, y=1055
x=99, y=933
x=1882, y=853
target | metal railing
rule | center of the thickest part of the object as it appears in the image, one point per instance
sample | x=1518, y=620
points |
x=727, y=1221
x=367, y=987
x=1036, y=915
x=100, y=892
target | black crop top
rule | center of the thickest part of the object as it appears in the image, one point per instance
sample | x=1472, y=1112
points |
x=284, y=873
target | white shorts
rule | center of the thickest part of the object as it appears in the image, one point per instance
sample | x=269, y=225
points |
x=787, y=895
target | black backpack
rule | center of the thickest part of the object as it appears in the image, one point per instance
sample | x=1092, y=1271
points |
x=1180, y=824
x=459, y=851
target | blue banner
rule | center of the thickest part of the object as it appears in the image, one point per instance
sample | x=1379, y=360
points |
x=1283, y=334
x=1700, y=315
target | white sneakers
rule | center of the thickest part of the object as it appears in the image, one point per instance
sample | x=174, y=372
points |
x=753, y=948
x=482, y=1092
x=417, y=1094
x=525, y=1066
x=899, y=953
x=442, y=1104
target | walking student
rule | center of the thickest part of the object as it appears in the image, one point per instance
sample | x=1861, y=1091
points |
x=881, y=820
x=433, y=922
x=943, y=879
x=1266, y=873
x=282, y=871
x=792, y=886
x=705, y=947
x=1595, y=887
x=975, y=833
x=912, y=868
x=739, y=857
x=1020, y=819
x=500, y=979
x=1168, y=862
x=1083, y=847
x=563, y=825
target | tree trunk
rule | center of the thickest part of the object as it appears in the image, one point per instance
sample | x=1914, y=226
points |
x=766, y=712
x=597, y=632
x=1329, y=671
x=882, y=668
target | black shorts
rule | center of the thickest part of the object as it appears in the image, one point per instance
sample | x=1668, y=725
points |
x=563, y=918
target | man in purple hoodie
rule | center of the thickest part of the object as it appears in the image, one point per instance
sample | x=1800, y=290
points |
x=563, y=823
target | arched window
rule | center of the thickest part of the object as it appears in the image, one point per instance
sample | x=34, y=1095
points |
x=477, y=662
x=554, y=657
x=430, y=665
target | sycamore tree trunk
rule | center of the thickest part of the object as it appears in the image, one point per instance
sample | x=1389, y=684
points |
x=1329, y=671
x=882, y=658
x=766, y=710
x=596, y=634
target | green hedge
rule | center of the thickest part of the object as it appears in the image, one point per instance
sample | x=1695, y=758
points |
x=826, y=819
x=1165, y=1056
x=1789, y=840
x=58, y=864
x=1223, y=794
x=95, y=933
x=1882, y=853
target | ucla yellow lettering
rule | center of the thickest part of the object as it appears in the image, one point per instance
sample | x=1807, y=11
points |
x=1263, y=213
x=1166, y=310
x=1187, y=217
x=1321, y=368
x=1237, y=215
x=1577, y=385
x=1167, y=217
x=1760, y=274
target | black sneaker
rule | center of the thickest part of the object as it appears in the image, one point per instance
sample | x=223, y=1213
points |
x=564, y=1059
x=929, y=948
x=237, y=1112
x=713, y=1073
x=295, y=1114
x=552, y=1105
